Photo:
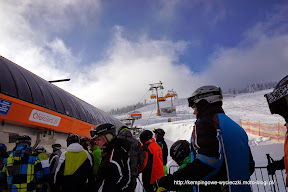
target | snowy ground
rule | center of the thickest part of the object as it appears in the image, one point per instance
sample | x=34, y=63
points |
x=252, y=106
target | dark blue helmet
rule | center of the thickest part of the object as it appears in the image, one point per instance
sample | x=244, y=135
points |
x=3, y=147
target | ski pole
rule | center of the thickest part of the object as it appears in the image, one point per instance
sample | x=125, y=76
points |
x=269, y=158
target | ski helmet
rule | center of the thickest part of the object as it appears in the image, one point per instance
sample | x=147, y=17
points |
x=56, y=146
x=23, y=140
x=145, y=136
x=278, y=99
x=210, y=93
x=3, y=147
x=160, y=133
x=40, y=149
x=103, y=129
x=72, y=138
x=179, y=150
x=122, y=128
x=84, y=141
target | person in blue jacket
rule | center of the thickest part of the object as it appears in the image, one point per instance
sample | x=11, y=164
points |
x=3, y=155
x=22, y=169
x=222, y=154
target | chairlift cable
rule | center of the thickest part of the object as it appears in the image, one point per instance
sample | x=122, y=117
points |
x=149, y=116
x=140, y=100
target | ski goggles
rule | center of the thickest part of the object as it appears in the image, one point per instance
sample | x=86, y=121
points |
x=191, y=102
x=278, y=101
x=96, y=133
x=211, y=97
x=93, y=134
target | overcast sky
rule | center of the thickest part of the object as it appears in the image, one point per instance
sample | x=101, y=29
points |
x=113, y=50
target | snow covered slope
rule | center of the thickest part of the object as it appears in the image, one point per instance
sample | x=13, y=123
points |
x=252, y=106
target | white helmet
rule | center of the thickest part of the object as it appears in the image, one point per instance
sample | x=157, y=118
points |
x=210, y=93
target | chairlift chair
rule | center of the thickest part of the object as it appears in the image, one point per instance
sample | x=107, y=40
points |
x=160, y=99
x=168, y=95
x=153, y=96
x=136, y=115
x=174, y=95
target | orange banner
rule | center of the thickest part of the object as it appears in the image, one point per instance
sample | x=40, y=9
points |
x=26, y=114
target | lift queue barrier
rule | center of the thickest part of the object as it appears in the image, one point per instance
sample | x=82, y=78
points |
x=259, y=181
x=275, y=132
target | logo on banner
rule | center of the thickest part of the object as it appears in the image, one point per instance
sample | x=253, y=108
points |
x=4, y=106
x=45, y=118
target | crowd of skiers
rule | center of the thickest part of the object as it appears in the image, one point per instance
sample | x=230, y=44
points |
x=112, y=159
x=108, y=161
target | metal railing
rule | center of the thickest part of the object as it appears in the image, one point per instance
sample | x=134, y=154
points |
x=260, y=180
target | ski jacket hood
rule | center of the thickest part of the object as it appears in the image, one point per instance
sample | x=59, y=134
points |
x=136, y=153
x=58, y=152
x=152, y=140
x=125, y=133
x=119, y=142
x=209, y=108
x=75, y=147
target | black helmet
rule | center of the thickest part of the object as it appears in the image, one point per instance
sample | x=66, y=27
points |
x=103, y=129
x=72, y=138
x=122, y=128
x=145, y=136
x=179, y=150
x=84, y=141
x=160, y=133
x=24, y=139
x=40, y=149
x=278, y=99
x=210, y=93
x=56, y=146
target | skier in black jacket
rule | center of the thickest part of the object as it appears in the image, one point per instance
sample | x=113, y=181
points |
x=114, y=173
x=222, y=153
x=136, y=153
x=159, y=136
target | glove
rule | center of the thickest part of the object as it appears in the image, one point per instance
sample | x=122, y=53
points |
x=275, y=165
x=163, y=183
x=157, y=186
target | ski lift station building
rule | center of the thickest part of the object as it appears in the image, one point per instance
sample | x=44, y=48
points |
x=31, y=105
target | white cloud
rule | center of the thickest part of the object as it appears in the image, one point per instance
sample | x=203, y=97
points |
x=121, y=78
x=129, y=66
x=32, y=46
x=59, y=16
x=124, y=76
x=260, y=57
